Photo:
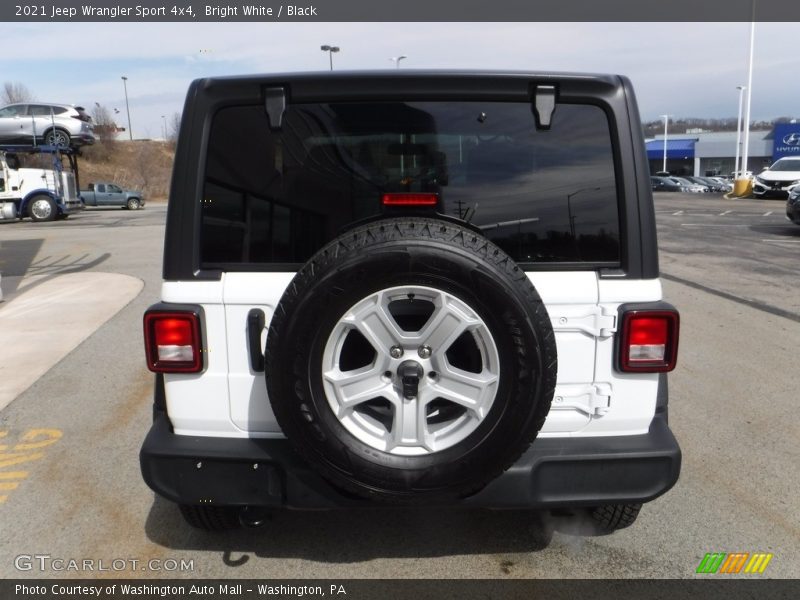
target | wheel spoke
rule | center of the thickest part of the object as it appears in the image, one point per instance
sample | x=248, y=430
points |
x=373, y=319
x=410, y=427
x=446, y=324
x=351, y=388
x=473, y=391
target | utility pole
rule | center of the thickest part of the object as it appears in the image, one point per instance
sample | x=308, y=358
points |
x=127, y=107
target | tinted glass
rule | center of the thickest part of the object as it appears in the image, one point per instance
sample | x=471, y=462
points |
x=12, y=111
x=791, y=164
x=38, y=110
x=278, y=196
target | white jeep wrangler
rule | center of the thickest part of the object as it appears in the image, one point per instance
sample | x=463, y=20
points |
x=427, y=288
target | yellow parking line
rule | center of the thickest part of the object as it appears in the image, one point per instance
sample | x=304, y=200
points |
x=9, y=460
x=32, y=439
x=29, y=449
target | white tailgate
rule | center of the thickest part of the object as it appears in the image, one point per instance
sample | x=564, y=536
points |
x=591, y=398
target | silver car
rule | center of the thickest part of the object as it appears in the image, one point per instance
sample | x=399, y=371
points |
x=689, y=186
x=36, y=123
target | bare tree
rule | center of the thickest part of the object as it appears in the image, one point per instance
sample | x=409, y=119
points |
x=105, y=130
x=105, y=127
x=174, y=129
x=14, y=91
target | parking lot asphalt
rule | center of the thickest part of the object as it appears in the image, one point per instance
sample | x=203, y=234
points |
x=744, y=248
x=76, y=492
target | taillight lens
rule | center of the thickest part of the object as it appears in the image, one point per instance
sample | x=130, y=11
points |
x=649, y=341
x=172, y=342
x=410, y=199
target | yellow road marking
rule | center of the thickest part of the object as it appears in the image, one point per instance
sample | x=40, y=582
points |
x=51, y=437
x=27, y=450
x=7, y=460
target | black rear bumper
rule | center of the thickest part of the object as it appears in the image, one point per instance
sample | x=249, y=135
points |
x=553, y=473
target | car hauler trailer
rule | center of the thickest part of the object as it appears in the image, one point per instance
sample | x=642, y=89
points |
x=43, y=194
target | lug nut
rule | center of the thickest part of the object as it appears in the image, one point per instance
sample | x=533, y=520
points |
x=424, y=352
x=395, y=352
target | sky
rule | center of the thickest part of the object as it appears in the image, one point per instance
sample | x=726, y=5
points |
x=680, y=69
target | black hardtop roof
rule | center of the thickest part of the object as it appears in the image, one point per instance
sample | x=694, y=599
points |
x=410, y=74
x=343, y=86
x=405, y=73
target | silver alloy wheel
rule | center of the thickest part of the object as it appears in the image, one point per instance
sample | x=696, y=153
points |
x=133, y=204
x=41, y=209
x=449, y=402
x=57, y=138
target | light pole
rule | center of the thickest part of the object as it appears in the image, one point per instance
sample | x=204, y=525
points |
x=397, y=59
x=666, y=121
x=127, y=107
x=569, y=208
x=736, y=174
x=330, y=50
x=164, y=120
x=746, y=124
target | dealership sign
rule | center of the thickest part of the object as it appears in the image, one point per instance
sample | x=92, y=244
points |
x=786, y=140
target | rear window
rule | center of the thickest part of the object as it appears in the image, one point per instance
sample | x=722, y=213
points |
x=278, y=196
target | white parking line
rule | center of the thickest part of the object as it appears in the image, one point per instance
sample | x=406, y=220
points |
x=766, y=214
x=782, y=241
x=727, y=212
x=680, y=212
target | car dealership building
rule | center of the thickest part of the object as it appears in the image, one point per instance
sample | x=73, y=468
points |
x=714, y=153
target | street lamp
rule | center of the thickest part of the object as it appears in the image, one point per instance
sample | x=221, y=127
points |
x=569, y=208
x=666, y=121
x=330, y=50
x=127, y=107
x=736, y=174
x=746, y=124
x=397, y=59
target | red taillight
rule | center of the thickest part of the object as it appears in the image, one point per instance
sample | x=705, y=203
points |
x=172, y=342
x=649, y=341
x=410, y=199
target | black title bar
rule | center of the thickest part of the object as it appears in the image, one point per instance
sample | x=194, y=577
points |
x=407, y=10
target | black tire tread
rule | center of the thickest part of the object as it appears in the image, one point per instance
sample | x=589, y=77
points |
x=210, y=518
x=357, y=241
x=612, y=517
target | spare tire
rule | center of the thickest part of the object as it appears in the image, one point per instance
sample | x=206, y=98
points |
x=410, y=361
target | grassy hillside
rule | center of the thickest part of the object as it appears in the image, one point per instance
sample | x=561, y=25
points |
x=142, y=165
